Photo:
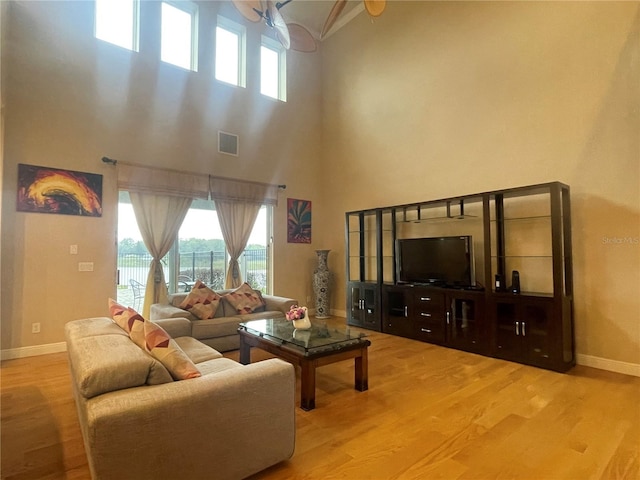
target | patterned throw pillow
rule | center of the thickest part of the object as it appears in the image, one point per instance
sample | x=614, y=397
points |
x=245, y=299
x=165, y=349
x=129, y=320
x=201, y=301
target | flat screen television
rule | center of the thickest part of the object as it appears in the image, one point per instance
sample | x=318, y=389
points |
x=442, y=261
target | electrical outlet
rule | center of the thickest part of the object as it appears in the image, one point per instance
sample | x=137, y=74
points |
x=85, y=266
x=35, y=328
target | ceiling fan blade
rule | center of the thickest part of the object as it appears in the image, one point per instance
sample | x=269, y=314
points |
x=278, y=23
x=248, y=9
x=333, y=16
x=375, y=7
x=301, y=38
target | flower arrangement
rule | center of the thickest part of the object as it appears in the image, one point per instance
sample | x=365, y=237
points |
x=296, y=313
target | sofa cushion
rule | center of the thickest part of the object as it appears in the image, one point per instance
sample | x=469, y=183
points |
x=129, y=320
x=201, y=301
x=166, y=350
x=245, y=299
x=197, y=351
x=215, y=327
x=218, y=365
x=109, y=360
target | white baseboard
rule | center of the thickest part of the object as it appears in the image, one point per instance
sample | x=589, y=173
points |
x=607, y=364
x=32, y=351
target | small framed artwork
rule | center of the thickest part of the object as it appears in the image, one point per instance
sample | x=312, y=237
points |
x=298, y=221
x=53, y=190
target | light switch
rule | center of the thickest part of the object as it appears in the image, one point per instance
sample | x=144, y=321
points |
x=73, y=249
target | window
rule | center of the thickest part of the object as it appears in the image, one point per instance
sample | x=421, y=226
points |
x=179, y=45
x=230, y=52
x=198, y=254
x=273, y=68
x=117, y=22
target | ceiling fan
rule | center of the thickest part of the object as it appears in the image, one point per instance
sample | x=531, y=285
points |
x=373, y=7
x=290, y=35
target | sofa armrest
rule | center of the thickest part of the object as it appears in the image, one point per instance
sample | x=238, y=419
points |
x=175, y=327
x=164, y=310
x=274, y=303
x=191, y=428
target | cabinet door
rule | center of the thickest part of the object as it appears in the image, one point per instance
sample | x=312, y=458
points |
x=371, y=307
x=507, y=330
x=354, y=302
x=395, y=314
x=364, y=305
x=536, y=329
x=524, y=330
x=464, y=322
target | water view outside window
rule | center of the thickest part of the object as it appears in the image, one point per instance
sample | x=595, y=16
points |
x=199, y=254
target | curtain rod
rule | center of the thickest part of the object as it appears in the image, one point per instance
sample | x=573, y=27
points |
x=111, y=161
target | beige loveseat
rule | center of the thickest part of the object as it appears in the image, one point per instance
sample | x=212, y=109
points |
x=138, y=423
x=221, y=331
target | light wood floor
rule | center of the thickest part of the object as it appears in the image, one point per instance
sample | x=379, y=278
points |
x=429, y=413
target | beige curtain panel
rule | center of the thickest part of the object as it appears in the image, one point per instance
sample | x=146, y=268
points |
x=159, y=218
x=230, y=190
x=159, y=181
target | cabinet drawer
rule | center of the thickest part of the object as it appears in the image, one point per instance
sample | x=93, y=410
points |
x=429, y=331
x=428, y=301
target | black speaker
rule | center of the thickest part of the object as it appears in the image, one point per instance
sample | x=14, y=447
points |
x=499, y=283
x=515, y=282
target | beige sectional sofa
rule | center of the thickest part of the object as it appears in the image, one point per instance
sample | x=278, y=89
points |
x=138, y=423
x=221, y=331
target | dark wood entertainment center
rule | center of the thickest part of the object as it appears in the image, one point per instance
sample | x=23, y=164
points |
x=525, y=229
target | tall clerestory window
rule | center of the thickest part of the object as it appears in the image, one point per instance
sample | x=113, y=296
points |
x=179, y=34
x=230, y=52
x=273, y=69
x=117, y=22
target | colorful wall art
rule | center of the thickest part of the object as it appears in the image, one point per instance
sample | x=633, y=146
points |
x=298, y=221
x=52, y=190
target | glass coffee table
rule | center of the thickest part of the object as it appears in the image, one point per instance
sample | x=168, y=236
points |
x=321, y=345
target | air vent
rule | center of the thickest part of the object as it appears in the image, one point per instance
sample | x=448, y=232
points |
x=228, y=143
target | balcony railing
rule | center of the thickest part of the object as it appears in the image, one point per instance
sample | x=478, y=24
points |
x=210, y=267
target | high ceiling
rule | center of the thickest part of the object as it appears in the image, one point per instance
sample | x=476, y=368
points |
x=312, y=14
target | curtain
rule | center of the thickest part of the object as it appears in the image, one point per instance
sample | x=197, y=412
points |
x=159, y=218
x=238, y=203
x=236, y=222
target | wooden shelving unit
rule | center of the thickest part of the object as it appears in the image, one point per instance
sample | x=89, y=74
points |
x=526, y=229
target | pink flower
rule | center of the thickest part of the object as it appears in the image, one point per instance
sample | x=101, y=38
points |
x=295, y=313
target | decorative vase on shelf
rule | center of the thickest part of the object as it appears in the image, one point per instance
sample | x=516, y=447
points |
x=303, y=323
x=321, y=278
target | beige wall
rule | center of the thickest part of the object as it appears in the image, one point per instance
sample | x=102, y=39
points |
x=432, y=99
x=72, y=99
x=437, y=99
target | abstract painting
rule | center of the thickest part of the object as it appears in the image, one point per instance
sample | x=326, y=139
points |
x=298, y=221
x=53, y=190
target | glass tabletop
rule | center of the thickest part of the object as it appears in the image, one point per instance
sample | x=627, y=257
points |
x=318, y=338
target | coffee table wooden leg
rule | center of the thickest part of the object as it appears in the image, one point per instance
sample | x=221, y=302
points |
x=245, y=352
x=362, y=371
x=308, y=386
